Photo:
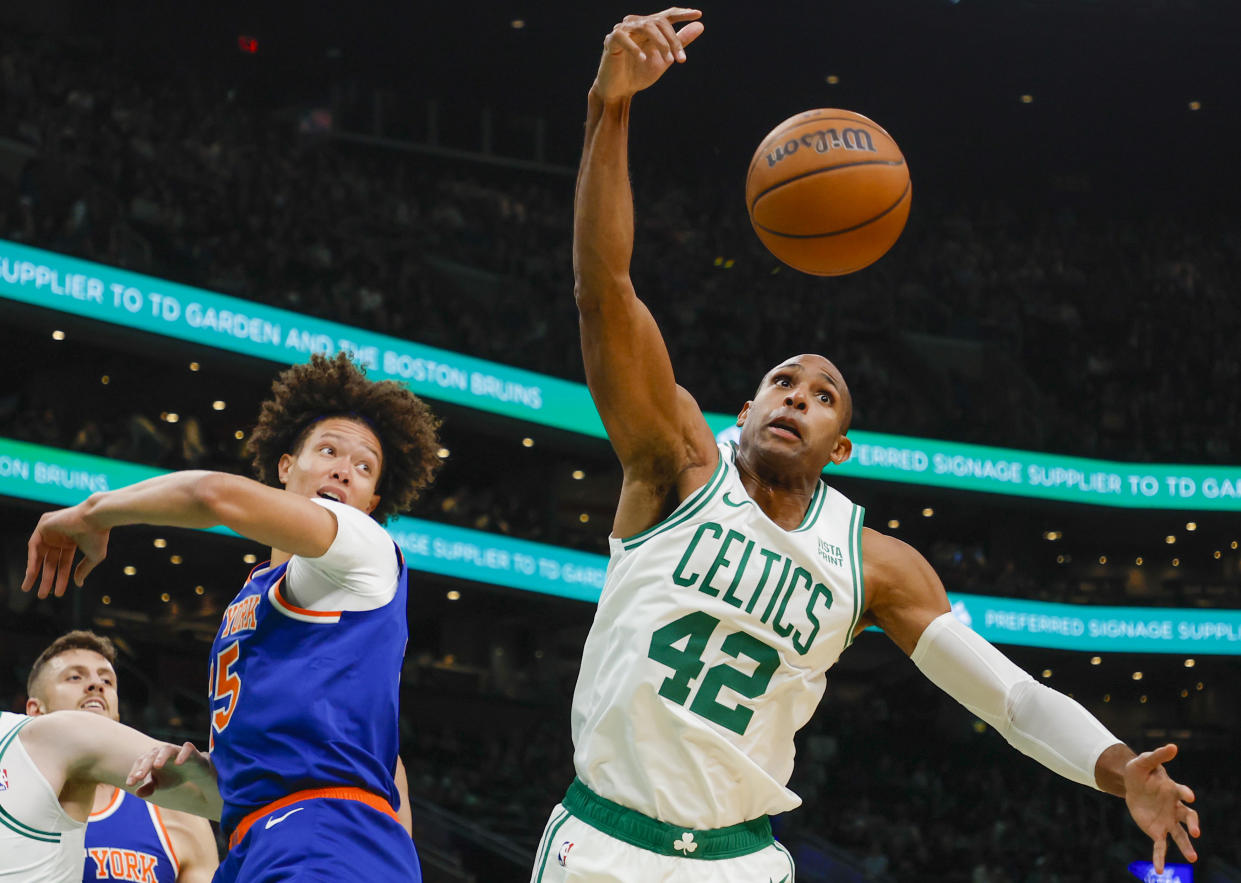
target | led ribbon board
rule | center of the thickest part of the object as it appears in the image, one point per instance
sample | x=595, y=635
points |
x=62, y=478
x=94, y=291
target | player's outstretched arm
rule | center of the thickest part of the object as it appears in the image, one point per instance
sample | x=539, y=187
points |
x=78, y=749
x=906, y=599
x=181, y=499
x=656, y=429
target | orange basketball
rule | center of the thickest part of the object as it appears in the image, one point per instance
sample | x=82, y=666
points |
x=828, y=192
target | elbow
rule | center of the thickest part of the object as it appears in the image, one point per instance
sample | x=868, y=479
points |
x=211, y=497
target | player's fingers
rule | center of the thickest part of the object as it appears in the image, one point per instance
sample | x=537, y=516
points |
x=1190, y=818
x=64, y=567
x=1161, y=850
x=85, y=566
x=1162, y=754
x=187, y=751
x=1181, y=837
x=619, y=41
x=34, y=557
x=675, y=52
x=48, y=579
x=681, y=13
x=140, y=770
x=656, y=37
x=689, y=34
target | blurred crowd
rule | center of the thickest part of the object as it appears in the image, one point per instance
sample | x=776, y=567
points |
x=1078, y=329
x=1063, y=325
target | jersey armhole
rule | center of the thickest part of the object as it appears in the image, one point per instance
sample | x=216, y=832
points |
x=686, y=509
x=855, y=562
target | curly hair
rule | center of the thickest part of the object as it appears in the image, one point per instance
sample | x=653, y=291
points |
x=305, y=394
x=78, y=639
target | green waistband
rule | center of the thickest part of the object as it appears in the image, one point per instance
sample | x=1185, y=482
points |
x=651, y=834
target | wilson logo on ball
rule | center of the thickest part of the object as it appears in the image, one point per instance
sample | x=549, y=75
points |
x=823, y=141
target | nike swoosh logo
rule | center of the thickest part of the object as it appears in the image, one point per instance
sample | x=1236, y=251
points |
x=276, y=820
x=729, y=502
x=784, y=879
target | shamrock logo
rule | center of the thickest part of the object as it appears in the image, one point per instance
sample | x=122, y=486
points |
x=686, y=843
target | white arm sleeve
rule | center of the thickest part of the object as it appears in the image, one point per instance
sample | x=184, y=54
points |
x=358, y=571
x=1036, y=720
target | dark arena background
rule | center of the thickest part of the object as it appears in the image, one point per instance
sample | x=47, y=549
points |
x=1045, y=368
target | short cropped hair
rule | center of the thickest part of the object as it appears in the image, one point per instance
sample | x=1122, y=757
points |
x=79, y=639
x=305, y=394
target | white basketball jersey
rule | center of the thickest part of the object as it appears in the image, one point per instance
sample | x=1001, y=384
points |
x=709, y=651
x=38, y=842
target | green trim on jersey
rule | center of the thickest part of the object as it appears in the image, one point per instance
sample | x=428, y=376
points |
x=855, y=565
x=636, y=829
x=688, y=508
x=815, y=507
x=6, y=818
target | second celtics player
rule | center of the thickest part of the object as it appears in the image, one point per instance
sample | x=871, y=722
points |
x=737, y=578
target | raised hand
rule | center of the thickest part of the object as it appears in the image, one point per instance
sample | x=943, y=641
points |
x=639, y=49
x=50, y=551
x=1158, y=804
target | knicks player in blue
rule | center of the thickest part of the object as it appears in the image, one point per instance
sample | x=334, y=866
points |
x=126, y=838
x=305, y=669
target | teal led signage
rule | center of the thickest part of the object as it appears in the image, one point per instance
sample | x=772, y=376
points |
x=95, y=291
x=62, y=478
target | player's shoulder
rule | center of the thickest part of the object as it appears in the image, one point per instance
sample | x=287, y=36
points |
x=354, y=520
x=888, y=560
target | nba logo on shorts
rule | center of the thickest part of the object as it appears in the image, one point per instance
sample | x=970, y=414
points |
x=4, y=780
x=562, y=855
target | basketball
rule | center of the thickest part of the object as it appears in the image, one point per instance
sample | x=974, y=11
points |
x=828, y=192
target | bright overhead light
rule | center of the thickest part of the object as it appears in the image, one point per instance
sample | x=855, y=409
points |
x=928, y=512
x=58, y=335
x=218, y=405
x=454, y=595
x=527, y=442
x=578, y=474
x=893, y=523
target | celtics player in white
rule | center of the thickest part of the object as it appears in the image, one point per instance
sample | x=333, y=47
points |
x=738, y=577
x=50, y=768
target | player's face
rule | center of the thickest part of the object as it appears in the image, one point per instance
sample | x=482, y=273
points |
x=339, y=460
x=799, y=413
x=78, y=679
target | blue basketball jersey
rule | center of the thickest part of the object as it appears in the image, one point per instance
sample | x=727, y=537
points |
x=303, y=699
x=127, y=840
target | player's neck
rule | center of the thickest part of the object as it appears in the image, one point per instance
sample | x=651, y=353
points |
x=784, y=503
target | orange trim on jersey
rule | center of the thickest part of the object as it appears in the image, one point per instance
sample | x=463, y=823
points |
x=112, y=804
x=284, y=602
x=374, y=801
x=262, y=565
x=166, y=838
